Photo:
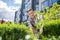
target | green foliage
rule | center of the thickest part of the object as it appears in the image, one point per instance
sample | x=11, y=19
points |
x=51, y=30
x=39, y=24
x=50, y=38
x=11, y=31
x=51, y=13
x=52, y=27
x=50, y=22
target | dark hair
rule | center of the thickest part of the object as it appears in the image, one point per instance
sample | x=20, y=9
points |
x=29, y=10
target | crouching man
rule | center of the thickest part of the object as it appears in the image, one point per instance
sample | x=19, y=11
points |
x=32, y=20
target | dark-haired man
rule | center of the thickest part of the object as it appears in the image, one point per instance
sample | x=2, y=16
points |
x=32, y=20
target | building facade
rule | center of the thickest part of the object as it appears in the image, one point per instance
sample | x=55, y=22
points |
x=46, y=3
x=28, y=4
x=32, y=4
x=17, y=17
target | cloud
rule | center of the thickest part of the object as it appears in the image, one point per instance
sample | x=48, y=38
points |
x=2, y=4
x=17, y=1
x=7, y=12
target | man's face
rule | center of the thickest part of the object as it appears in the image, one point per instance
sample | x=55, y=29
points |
x=31, y=14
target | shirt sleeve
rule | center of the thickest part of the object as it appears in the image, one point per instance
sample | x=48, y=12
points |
x=28, y=23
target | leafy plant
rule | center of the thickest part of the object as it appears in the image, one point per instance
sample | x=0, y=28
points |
x=10, y=31
x=52, y=27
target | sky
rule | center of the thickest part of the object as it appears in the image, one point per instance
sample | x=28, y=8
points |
x=8, y=8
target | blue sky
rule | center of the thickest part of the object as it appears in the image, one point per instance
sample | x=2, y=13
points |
x=8, y=8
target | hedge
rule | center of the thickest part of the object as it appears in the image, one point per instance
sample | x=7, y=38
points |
x=50, y=38
x=52, y=27
x=10, y=31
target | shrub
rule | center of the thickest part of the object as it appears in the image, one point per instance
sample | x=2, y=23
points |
x=50, y=12
x=10, y=31
x=50, y=38
x=50, y=22
x=52, y=27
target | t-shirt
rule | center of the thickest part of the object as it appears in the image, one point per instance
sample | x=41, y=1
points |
x=32, y=23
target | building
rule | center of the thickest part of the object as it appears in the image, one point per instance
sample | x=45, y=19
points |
x=46, y=3
x=32, y=4
x=28, y=4
x=17, y=17
x=58, y=2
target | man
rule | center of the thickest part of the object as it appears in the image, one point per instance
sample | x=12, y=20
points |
x=32, y=20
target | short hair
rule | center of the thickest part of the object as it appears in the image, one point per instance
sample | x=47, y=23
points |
x=29, y=10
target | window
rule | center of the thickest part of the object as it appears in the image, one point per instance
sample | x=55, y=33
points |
x=37, y=1
x=24, y=10
x=45, y=4
x=37, y=7
x=24, y=17
x=26, y=1
x=29, y=6
x=50, y=2
x=54, y=1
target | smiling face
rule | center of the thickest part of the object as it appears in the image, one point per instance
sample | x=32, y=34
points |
x=31, y=13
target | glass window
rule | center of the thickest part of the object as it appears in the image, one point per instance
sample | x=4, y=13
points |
x=24, y=17
x=26, y=1
x=50, y=2
x=37, y=1
x=29, y=6
x=54, y=1
x=45, y=4
x=37, y=7
x=24, y=10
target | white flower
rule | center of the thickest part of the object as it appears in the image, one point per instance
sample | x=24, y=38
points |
x=27, y=36
x=0, y=38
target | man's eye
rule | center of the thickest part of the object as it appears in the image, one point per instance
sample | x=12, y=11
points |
x=31, y=13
